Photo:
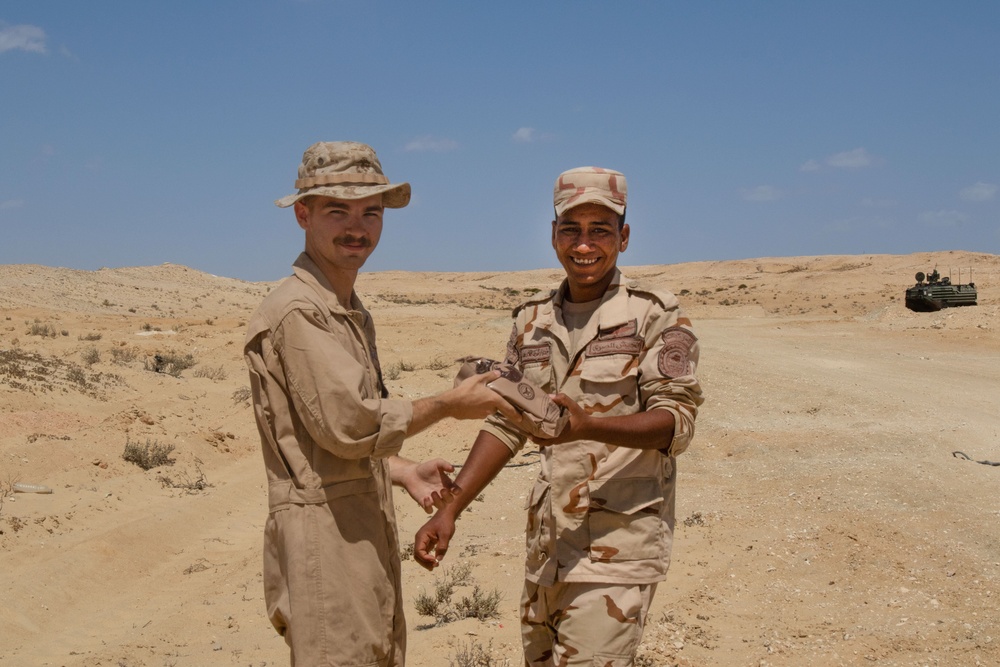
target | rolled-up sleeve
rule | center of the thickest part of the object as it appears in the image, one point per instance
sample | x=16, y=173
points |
x=668, y=377
x=331, y=381
x=498, y=426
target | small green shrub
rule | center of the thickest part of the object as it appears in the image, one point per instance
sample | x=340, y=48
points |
x=43, y=330
x=481, y=605
x=443, y=609
x=148, y=456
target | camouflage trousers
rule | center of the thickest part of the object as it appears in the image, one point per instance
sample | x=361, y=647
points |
x=582, y=624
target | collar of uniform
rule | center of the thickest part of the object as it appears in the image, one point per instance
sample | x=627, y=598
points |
x=611, y=313
x=614, y=306
x=306, y=270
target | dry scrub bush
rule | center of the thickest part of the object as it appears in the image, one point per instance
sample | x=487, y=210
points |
x=185, y=482
x=242, y=395
x=474, y=654
x=439, y=364
x=443, y=609
x=170, y=363
x=90, y=356
x=395, y=369
x=7, y=489
x=217, y=373
x=43, y=330
x=123, y=355
x=148, y=456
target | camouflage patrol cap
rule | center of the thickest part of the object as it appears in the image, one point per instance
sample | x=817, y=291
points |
x=590, y=185
x=345, y=170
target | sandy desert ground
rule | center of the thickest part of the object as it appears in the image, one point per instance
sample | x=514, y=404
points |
x=822, y=516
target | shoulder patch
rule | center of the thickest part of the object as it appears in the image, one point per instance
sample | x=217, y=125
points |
x=511, y=357
x=675, y=356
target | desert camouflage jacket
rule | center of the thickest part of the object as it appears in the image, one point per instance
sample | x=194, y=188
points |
x=597, y=512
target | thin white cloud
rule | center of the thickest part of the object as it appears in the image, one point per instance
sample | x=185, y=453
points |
x=11, y=204
x=432, y=144
x=978, y=192
x=872, y=202
x=810, y=165
x=22, y=38
x=942, y=218
x=852, y=159
x=525, y=135
x=761, y=193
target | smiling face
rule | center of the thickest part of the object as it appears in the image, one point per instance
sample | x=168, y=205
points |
x=340, y=233
x=587, y=240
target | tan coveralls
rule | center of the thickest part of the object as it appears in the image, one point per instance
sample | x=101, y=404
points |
x=601, y=514
x=331, y=554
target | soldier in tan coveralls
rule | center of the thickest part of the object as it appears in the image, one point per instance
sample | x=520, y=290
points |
x=329, y=432
x=621, y=358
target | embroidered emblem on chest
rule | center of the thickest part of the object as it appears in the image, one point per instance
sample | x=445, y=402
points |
x=675, y=357
x=535, y=354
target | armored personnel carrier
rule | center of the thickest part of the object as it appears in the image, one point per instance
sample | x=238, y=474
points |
x=932, y=292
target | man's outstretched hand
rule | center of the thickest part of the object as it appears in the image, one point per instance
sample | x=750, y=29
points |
x=431, y=542
x=428, y=483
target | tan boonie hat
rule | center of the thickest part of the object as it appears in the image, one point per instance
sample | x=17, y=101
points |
x=345, y=170
x=590, y=185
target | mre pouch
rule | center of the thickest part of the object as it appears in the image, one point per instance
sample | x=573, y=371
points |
x=541, y=417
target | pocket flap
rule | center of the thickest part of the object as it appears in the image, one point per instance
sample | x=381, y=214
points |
x=625, y=496
x=612, y=368
x=537, y=492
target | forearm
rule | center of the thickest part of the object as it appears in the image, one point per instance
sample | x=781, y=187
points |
x=427, y=411
x=471, y=399
x=652, y=429
x=399, y=467
x=486, y=459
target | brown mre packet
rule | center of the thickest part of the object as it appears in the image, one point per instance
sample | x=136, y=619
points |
x=542, y=417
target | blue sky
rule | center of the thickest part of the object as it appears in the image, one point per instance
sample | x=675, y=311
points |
x=136, y=133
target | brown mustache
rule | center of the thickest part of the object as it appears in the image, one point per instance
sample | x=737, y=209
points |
x=347, y=239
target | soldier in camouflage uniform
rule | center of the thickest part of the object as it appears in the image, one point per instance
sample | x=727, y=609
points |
x=621, y=358
x=331, y=434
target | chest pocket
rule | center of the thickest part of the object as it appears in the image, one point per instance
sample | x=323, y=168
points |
x=611, y=377
x=536, y=365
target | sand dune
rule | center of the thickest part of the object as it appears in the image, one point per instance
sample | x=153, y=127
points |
x=822, y=516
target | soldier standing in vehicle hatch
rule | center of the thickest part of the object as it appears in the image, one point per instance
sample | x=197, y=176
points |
x=621, y=358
